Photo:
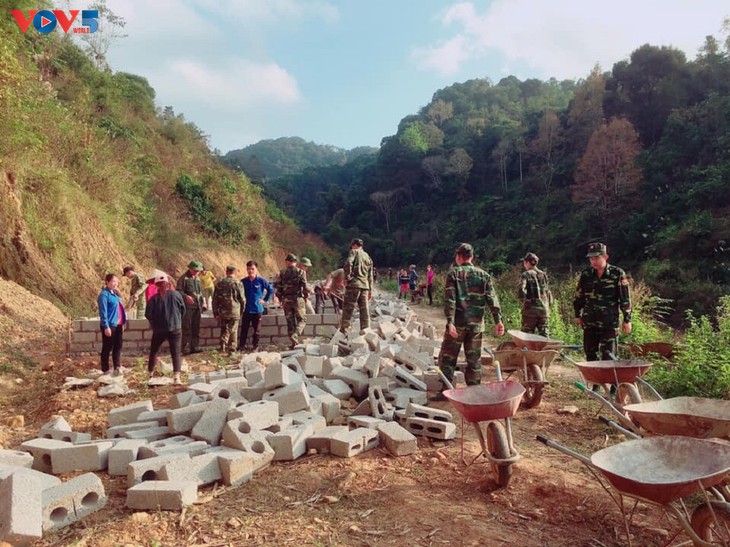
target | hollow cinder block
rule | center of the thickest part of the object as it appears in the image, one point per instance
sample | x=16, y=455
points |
x=128, y=413
x=16, y=457
x=162, y=495
x=21, y=508
x=72, y=500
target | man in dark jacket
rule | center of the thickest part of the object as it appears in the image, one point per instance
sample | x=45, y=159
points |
x=165, y=312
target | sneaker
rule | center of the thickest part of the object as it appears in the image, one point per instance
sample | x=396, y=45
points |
x=117, y=372
x=176, y=380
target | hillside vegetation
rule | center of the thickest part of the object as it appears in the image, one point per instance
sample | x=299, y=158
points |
x=637, y=157
x=94, y=175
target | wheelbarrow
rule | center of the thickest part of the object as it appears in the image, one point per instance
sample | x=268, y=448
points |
x=527, y=357
x=616, y=377
x=661, y=471
x=484, y=405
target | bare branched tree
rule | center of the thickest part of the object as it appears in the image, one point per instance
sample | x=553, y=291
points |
x=110, y=31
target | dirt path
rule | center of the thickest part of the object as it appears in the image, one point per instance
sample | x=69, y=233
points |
x=428, y=498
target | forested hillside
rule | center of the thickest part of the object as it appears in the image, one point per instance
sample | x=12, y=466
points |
x=94, y=175
x=273, y=158
x=637, y=156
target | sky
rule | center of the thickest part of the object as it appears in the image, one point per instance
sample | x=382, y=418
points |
x=345, y=72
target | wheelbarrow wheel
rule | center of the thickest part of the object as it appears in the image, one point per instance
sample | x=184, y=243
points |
x=628, y=394
x=705, y=526
x=533, y=386
x=498, y=447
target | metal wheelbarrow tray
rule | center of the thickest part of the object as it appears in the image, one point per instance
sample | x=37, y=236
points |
x=613, y=372
x=688, y=416
x=486, y=402
x=533, y=342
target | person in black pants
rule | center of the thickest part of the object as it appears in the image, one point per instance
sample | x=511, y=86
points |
x=112, y=319
x=165, y=312
x=257, y=291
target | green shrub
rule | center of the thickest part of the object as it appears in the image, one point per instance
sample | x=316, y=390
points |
x=701, y=365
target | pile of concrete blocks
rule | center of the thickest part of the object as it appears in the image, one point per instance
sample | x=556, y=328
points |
x=344, y=396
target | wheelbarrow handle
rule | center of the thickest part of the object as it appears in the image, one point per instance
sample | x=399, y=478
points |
x=619, y=428
x=564, y=449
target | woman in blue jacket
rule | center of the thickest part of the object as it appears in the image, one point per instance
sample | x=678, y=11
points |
x=112, y=319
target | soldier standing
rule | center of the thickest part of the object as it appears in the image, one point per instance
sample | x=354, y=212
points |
x=358, y=271
x=227, y=302
x=136, y=291
x=535, y=295
x=304, y=265
x=291, y=290
x=603, y=290
x=468, y=292
x=192, y=292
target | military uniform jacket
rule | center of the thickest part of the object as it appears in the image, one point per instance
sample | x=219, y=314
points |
x=292, y=284
x=467, y=294
x=534, y=291
x=598, y=300
x=189, y=285
x=337, y=283
x=359, y=270
x=138, y=285
x=227, y=299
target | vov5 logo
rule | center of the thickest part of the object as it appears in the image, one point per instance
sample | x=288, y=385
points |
x=46, y=21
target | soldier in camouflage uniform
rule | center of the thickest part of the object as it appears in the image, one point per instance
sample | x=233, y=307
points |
x=291, y=290
x=468, y=292
x=227, y=302
x=136, y=292
x=192, y=292
x=535, y=295
x=358, y=271
x=602, y=290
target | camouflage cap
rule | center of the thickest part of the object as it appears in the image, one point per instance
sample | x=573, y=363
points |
x=357, y=241
x=291, y=257
x=231, y=268
x=305, y=262
x=196, y=265
x=464, y=249
x=532, y=258
x=596, y=249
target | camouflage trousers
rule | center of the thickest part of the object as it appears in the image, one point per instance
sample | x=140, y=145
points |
x=191, y=329
x=535, y=322
x=359, y=297
x=600, y=341
x=140, y=306
x=472, y=340
x=229, y=334
x=294, y=311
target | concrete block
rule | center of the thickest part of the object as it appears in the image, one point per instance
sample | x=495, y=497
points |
x=162, y=495
x=291, y=398
x=210, y=425
x=118, y=431
x=150, y=434
x=277, y=375
x=353, y=442
x=237, y=466
x=254, y=375
x=400, y=397
x=184, y=398
x=183, y=420
x=372, y=365
x=196, y=378
x=240, y=435
x=317, y=421
x=363, y=408
x=46, y=480
x=321, y=440
x=330, y=406
x=15, y=457
x=81, y=457
x=397, y=440
x=338, y=388
x=430, y=428
x=42, y=449
x=328, y=350
x=432, y=380
x=230, y=389
x=378, y=403
x=57, y=423
x=407, y=380
x=21, y=508
x=201, y=389
x=387, y=329
x=356, y=380
x=72, y=501
x=258, y=415
x=216, y=375
x=311, y=364
x=179, y=444
x=430, y=413
x=159, y=416
x=205, y=468
x=369, y=422
x=291, y=443
x=128, y=413
x=151, y=468
x=281, y=425
x=122, y=454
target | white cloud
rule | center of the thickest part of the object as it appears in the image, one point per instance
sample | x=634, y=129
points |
x=234, y=86
x=565, y=38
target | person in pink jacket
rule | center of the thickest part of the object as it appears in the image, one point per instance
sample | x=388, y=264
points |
x=429, y=283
